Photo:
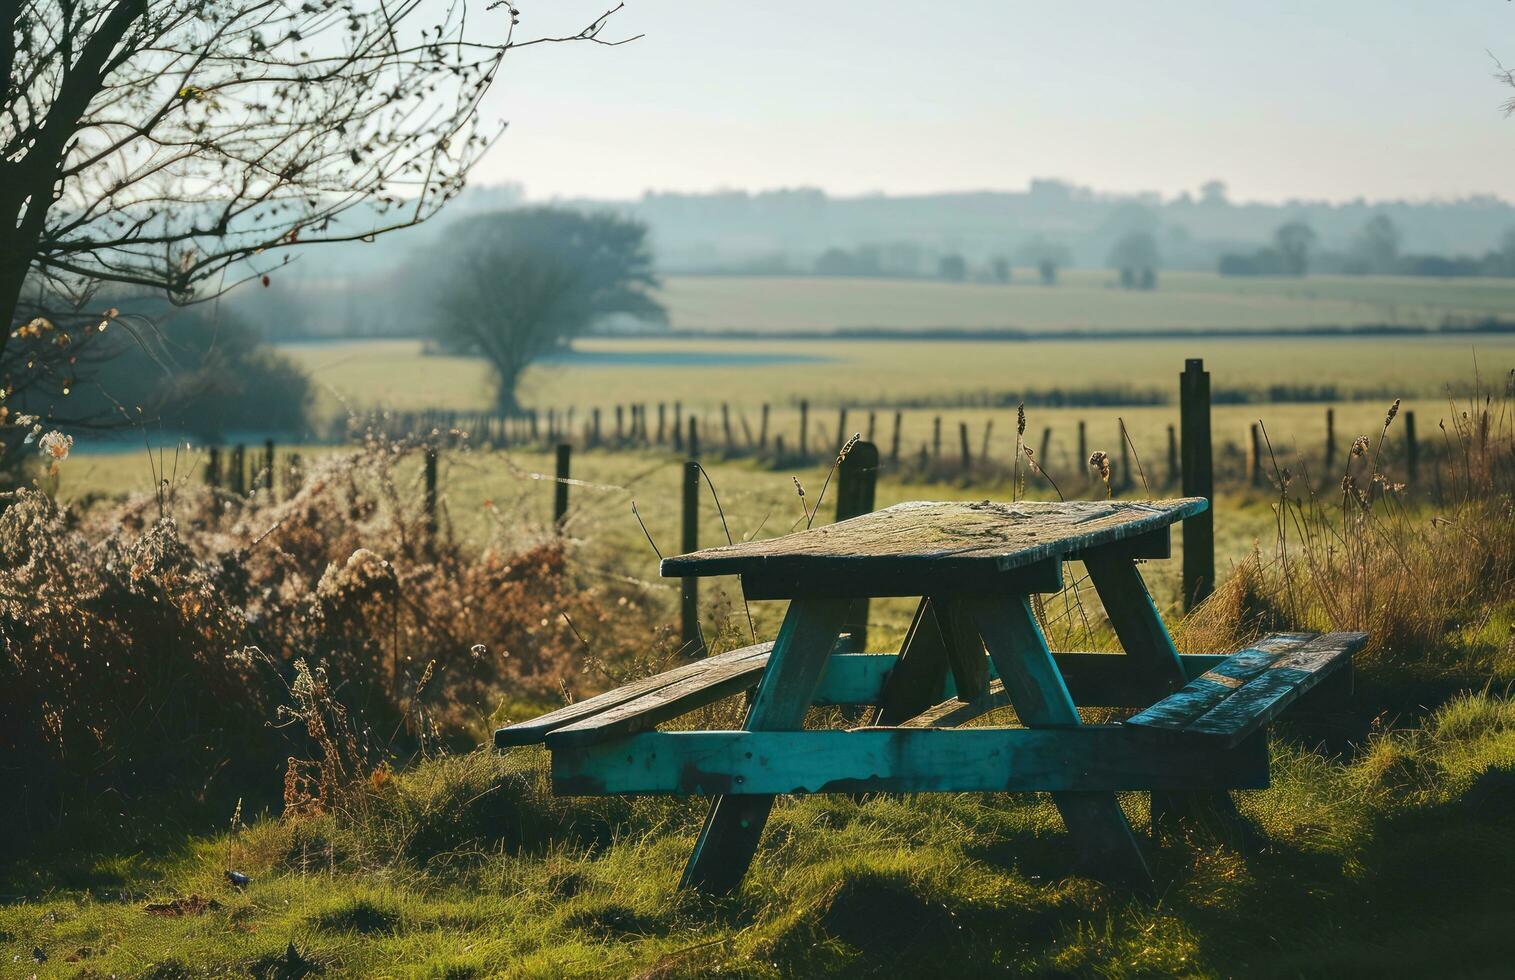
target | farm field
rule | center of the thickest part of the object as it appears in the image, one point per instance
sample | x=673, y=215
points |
x=1084, y=299
x=704, y=374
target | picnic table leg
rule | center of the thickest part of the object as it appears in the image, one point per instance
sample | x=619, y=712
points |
x=1141, y=632
x=734, y=824
x=933, y=644
x=1025, y=665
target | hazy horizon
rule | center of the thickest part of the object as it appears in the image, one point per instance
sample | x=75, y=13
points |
x=853, y=99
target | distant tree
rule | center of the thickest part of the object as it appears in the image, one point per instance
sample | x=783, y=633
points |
x=1293, y=240
x=1213, y=192
x=1136, y=256
x=1048, y=256
x=516, y=285
x=953, y=268
x=836, y=262
x=175, y=145
x=999, y=269
x=1376, y=248
x=1263, y=262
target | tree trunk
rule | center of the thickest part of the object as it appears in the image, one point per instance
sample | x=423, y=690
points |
x=505, y=391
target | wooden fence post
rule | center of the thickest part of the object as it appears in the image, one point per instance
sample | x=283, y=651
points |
x=763, y=429
x=1254, y=454
x=962, y=438
x=1172, y=456
x=856, y=480
x=692, y=643
x=1412, y=450
x=1044, y=451
x=726, y=425
x=936, y=438
x=872, y=418
x=294, y=475
x=694, y=437
x=841, y=430
x=268, y=463
x=678, y=426
x=1330, y=438
x=594, y=427
x=213, y=468
x=894, y=442
x=239, y=469
x=662, y=423
x=620, y=435
x=560, y=488
x=1083, y=449
x=1198, y=481
x=431, y=490
x=804, y=428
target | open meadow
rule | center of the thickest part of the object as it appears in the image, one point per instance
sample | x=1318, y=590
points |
x=389, y=842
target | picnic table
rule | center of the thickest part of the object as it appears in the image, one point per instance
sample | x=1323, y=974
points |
x=974, y=645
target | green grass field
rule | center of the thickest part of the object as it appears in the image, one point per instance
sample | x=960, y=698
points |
x=1084, y=299
x=704, y=373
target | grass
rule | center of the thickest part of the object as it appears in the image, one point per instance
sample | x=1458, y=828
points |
x=1397, y=862
x=1084, y=298
x=703, y=373
x=1387, y=854
x=477, y=488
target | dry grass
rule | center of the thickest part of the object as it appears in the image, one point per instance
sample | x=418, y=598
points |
x=147, y=646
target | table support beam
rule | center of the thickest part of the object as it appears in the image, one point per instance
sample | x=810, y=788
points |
x=734, y=824
x=1094, y=819
x=1139, y=626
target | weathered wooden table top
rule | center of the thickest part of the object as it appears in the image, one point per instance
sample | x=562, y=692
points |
x=949, y=535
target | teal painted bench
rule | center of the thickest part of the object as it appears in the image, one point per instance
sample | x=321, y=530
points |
x=1242, y=693
x=974, y=645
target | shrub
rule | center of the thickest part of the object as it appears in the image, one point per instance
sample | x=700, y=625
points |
x=147, y=646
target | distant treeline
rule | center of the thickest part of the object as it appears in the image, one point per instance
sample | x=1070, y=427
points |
x=1125, y=396
x=1450, y=327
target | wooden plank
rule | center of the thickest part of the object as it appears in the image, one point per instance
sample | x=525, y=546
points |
x=854, y=678
x=533, y=731
x=910, y=579
x=1137, y=624
x=648, y=711
x=1175, y=712
x=949, y=538
x=734, y=824
x=735, y=765
x=965, y=652
x=1103, y=680
x=1157, y=670
x=1021, y=657
x=1154, y=544
x=960, y=711
x=916, y=681
x=1263, y=698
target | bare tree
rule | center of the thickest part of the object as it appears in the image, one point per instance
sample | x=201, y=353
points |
x=175, y=145
x=517, y=285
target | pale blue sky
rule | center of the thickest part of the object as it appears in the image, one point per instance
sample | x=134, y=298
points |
x=1333, y=99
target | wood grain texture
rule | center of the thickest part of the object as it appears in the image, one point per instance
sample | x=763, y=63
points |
x=533, y=731
x=1022, y=660
x=920, y=671
x=642, y=714
x=1092, y=758
x=951, y=538
x=1236, y=698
